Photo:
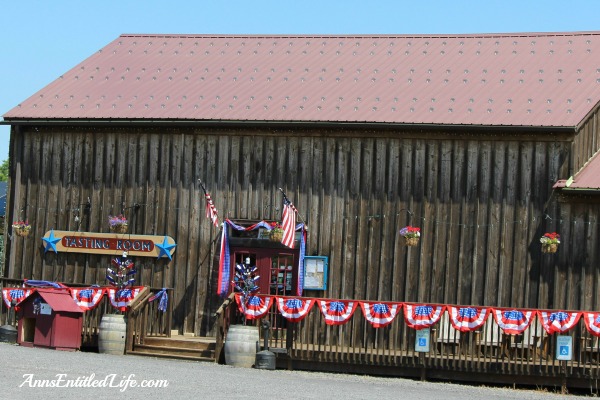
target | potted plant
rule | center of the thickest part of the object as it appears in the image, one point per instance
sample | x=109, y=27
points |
x=550, y=242
x=21, y=228
x=276, y=233
x=117, y=223
x=411, y=235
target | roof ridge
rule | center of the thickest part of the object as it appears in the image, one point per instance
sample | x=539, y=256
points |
x=367, y=35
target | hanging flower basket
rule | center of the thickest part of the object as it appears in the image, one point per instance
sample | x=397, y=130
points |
x=550, y=242
x=549, y=248
x=411, y=235
x=411, y=241
x=276, y=234
x=118, y=223
x=21, y=228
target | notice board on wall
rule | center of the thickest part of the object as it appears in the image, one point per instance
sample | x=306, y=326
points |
x=315, y=272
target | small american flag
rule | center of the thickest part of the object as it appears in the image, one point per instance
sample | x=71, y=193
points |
x=289, y=222
x=211, y=210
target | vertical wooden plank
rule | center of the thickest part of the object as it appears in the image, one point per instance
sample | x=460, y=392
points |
x=435, y=232
x=526, y=233
x=435, y=162
x=483, y=220
x=510, y=230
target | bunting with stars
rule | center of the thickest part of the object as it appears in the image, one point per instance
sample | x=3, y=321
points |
x=468, y=319
x=513, y=322
x=559, y=321
x=380, y=314
x=294, y=309
x=337, y=312
x=420, y=316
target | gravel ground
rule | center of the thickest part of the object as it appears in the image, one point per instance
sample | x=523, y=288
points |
x=23, y=368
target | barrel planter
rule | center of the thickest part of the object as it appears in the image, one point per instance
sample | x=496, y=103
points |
x=240, y=345
x=111, y=338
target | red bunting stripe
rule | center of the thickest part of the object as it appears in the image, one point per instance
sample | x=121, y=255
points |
x=380, y=314
x=337, y=312
x=294, y=309
x=467, y=319
x=513, y=322
x=255, y=307
x=87, y=298
x=558, y=321
x=420, y=316
x=592, y=322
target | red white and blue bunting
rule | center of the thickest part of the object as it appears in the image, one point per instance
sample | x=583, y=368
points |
x=420, y=316
x=337, y=312
x=558, y=321
x=467, y=319
x=592, y=322
x=87, y=298
x=121, y=299
x=294, y=309
x=15, y=295
x=513, y=322
x=255, y=306
x=380, y=314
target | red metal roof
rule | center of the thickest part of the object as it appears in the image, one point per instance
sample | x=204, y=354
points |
x=530, y=79
x=59, y=300
x=588, y=177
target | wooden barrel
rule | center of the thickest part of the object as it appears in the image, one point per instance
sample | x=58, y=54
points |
x=240, y=345
x=111, y=338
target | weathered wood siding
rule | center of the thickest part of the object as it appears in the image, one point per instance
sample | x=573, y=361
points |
x=586, y=143
x=481, y=199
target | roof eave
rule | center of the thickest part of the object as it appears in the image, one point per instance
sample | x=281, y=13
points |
x=285, y=123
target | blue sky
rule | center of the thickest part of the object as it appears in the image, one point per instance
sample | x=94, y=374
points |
x=41, y=39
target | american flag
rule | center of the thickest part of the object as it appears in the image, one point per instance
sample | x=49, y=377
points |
x=211, y=210
x=289, y=222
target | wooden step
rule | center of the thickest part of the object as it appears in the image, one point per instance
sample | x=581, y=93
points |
x=174, y=350
x=171, y=356
x=183, y=342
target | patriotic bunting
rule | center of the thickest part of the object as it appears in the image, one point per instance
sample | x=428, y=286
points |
x=16, y=294
x=294, y=309
x=255, y=307
x=560, y=321
x=513, y=322
x=163, y=299
x=420, y=316
x=87, y=298
x=337, y=312
x=121, y=299
x=592, y=322
x=380, y=314
x=467, y=319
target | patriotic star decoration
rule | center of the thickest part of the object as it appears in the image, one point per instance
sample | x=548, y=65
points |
x=51, y=241
x=164, y=248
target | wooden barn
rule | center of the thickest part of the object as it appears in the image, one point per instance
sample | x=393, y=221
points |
x=478, y=140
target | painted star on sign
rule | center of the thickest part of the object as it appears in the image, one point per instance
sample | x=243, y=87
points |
x=51, y=241
x=165, y=248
